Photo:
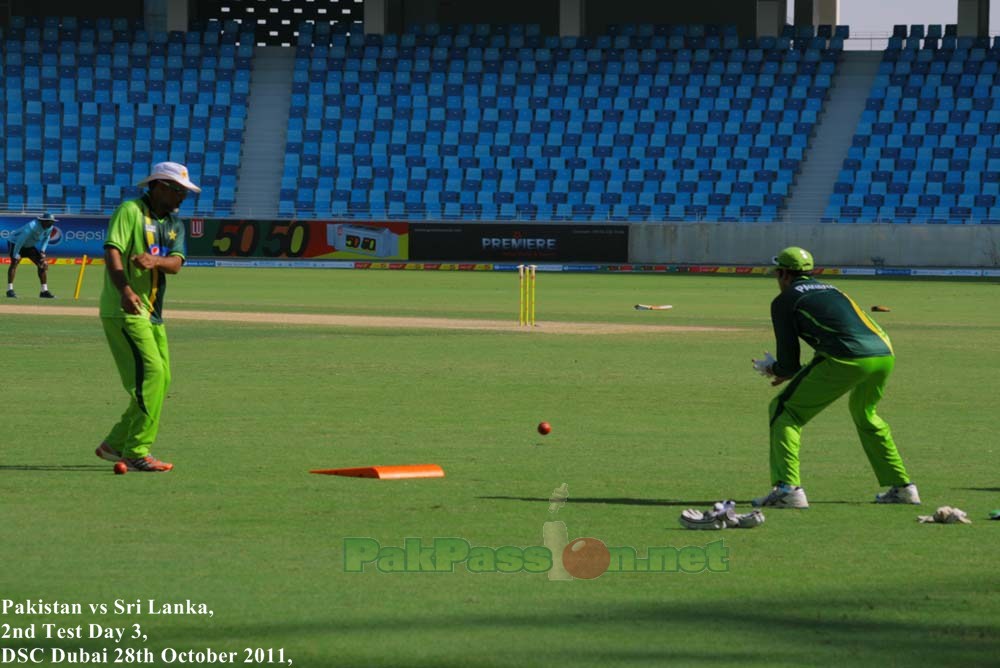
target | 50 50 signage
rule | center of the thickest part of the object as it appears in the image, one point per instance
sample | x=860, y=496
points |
x=305, y=239
x=247, y=238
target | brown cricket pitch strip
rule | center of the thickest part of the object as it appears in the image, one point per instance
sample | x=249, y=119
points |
x=397, y=322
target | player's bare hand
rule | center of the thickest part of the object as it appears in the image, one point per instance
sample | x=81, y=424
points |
x=130, y=302
x=779, y=380
x=144, y=261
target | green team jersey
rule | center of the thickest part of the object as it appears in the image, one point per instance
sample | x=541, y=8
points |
x=133, y=230
x=826, y=319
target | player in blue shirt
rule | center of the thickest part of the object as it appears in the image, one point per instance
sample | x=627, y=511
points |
x=30, y=241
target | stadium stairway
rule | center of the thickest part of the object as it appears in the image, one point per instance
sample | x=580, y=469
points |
x=267, y=123
x=851, y=85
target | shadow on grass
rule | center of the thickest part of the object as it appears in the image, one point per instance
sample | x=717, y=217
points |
x=68, y=468
x=624, y=501
x=981, y=489
x=612, y=501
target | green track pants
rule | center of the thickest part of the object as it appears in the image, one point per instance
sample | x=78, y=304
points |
x=143, y=359
x=816, y=386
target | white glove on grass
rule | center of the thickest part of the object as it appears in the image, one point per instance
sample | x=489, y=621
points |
x=723, y=515
x=945, y=515
x=763, y=366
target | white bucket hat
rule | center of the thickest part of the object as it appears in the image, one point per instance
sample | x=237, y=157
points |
x=170, y=171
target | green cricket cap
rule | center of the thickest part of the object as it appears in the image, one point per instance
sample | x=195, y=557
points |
x=794, y=258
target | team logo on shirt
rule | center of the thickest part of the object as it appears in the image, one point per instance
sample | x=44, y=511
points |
x=154, y=249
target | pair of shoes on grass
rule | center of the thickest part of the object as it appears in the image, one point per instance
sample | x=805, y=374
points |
x=148, y=463
x=44, y=294
x=789, y=496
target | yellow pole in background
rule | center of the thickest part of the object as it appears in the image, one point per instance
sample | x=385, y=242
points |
x=79, y=279
x=533, y=270
x=521, y=295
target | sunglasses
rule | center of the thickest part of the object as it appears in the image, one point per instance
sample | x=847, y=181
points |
x=170, y=185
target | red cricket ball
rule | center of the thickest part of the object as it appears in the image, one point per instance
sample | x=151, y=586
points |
x=544, y=428
x=586, y=558
x=121, y=468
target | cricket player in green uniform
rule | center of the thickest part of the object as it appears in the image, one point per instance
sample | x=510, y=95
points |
x=144, y=242
x=853, y=355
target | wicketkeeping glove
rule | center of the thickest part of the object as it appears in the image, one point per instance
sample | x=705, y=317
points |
x=723, y=515
x=945, y=515
x=763, y=366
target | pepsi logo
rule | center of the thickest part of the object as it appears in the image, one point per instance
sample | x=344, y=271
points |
x=55, y=236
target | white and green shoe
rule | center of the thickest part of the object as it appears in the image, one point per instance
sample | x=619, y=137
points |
x=783, y=496
x=900, y=494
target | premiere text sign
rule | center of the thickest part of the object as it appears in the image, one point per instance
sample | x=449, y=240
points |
x=519, y=242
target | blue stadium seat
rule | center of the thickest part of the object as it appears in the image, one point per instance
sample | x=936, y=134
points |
x=918, y=153
x=91, y=114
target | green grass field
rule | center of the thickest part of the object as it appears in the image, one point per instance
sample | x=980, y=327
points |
x=644, y=425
